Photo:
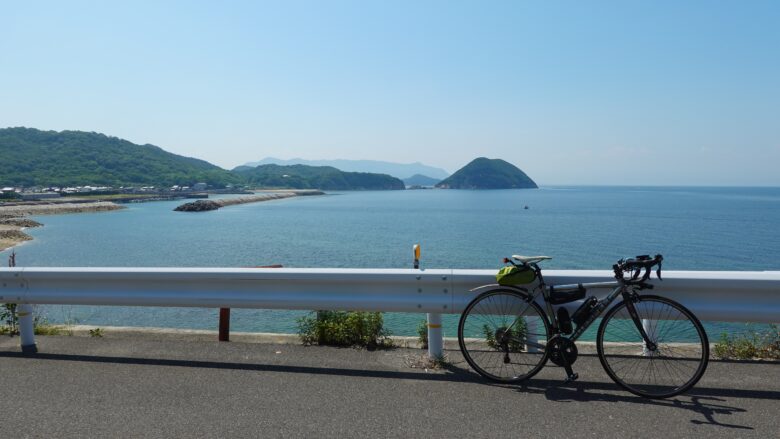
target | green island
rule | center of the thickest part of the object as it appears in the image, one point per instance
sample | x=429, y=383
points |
x=484, y=173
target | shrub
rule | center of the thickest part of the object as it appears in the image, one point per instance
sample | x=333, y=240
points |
x=342, y=328
x=753, y=344
x=9, y=323
x=422, y=334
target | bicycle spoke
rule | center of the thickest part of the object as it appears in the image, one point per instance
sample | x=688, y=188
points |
x=497, y=339
x=675, y=362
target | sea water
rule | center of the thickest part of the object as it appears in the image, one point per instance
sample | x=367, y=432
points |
x=581, y=227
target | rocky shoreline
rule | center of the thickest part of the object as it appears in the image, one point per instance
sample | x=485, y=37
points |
x=11, y=234
x=13, y=219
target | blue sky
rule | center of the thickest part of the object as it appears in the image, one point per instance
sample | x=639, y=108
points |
x=617, y=92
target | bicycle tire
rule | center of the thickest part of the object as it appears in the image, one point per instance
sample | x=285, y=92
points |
x=676, y=365
x=489, y=315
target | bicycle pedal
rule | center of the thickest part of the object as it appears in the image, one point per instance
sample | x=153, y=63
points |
x=571, y=378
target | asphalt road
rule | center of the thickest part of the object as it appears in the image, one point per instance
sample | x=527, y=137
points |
x=141, y=387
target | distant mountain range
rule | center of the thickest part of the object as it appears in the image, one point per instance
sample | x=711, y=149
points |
x=484, y=173
x=420, y=180
x=399, y=170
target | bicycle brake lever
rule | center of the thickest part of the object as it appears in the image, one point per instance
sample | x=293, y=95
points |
x=647, y=274
x=658, y=272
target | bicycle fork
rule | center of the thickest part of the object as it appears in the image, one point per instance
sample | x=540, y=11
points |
x=649, y=344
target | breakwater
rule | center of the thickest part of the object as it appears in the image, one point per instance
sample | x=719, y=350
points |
x=44, y=208
x=207, y=205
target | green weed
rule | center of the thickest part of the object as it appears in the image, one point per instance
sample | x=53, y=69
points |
x=754, y=344
x=344, y=328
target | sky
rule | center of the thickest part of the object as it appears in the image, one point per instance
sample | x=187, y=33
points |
x=597, y=92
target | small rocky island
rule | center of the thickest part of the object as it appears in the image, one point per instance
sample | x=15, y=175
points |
x=484, y=173
x=198, y=206
x=207, y=205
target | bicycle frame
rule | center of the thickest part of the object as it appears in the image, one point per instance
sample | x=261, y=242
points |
x=619, y=287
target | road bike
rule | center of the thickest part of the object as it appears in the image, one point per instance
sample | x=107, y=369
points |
x=650, y=345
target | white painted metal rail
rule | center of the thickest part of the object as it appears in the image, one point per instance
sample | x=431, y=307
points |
x=711, y=295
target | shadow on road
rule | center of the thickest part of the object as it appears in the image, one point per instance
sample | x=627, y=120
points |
x=694, y=400
x=702, y=400
x=455, y=375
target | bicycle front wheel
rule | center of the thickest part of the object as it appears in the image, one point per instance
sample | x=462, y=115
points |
x=672, y=364
x=502, y=335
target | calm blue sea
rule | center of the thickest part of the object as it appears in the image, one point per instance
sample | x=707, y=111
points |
x=582, y=227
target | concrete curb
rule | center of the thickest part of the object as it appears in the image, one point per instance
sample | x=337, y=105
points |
x=209, y=335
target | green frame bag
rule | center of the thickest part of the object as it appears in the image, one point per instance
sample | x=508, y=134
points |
x=514, y=275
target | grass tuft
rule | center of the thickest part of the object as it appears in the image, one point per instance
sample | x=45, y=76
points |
x=753, y=345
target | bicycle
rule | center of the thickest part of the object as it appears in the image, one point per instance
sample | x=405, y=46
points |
x=650, y=345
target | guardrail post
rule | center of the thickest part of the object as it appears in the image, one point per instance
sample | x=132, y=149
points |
x=224, y=324
x=224, y=314
x=26, y=328
x=435, y=337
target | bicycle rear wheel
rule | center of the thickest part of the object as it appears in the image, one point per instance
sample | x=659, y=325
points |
x=503, y=335
x=676, y=362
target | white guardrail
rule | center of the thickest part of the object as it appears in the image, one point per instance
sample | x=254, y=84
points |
x=734, y=296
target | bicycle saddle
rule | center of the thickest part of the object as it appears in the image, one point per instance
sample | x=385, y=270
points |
x=530, y=259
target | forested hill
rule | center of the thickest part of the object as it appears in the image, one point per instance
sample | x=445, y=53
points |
x=484, y=173
x=421, y=180
x=32, y=157
x=400, y=170
x=315, y=177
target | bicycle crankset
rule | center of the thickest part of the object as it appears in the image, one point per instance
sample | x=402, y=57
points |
x=561, y=348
